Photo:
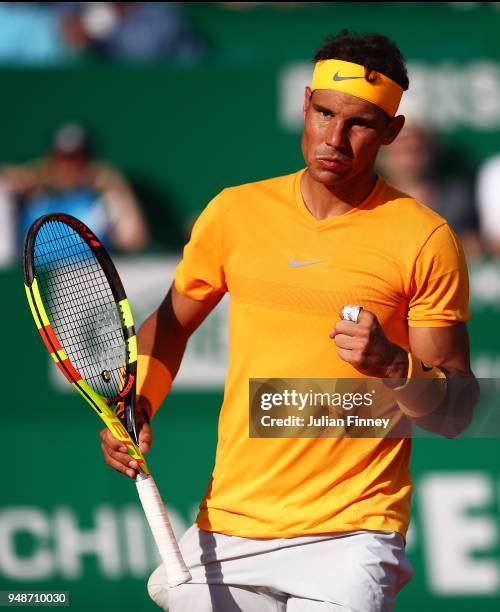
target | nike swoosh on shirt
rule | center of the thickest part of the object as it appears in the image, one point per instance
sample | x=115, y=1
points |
x=337, y=77
x=293, y=263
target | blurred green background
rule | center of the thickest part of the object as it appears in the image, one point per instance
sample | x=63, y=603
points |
x=181, y=132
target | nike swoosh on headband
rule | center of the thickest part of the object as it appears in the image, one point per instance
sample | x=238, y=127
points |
x=337, y=77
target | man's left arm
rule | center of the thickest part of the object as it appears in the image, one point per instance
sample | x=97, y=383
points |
x=447, y=348
x=433, y=383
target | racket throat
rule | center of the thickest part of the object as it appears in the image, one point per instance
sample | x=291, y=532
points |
x=129, y=415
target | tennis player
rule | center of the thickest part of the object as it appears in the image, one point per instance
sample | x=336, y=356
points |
x=307, y=525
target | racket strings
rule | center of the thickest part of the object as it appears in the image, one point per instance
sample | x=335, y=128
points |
x=80, y=306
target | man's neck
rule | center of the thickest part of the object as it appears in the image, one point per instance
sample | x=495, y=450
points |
x=324, y=201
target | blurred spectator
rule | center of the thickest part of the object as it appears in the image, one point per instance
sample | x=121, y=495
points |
x=70, y=180
x=129, y=30
x=413, y=165
x=30, y=35
x=37, y=33
x=488, y=200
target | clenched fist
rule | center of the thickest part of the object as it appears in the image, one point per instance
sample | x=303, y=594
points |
x=365, y=346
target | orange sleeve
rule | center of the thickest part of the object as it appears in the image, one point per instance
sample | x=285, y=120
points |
x=200, y=274
x=440, y=284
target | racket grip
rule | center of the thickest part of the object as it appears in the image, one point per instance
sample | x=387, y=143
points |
x=161, y=528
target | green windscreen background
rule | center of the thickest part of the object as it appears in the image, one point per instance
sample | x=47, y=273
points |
x=180, y=134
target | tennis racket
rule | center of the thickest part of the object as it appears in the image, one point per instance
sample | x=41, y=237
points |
x=85, y=321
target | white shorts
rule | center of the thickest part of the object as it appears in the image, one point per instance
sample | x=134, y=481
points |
x=358, y=571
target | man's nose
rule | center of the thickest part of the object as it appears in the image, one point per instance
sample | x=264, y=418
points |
x=337, y=135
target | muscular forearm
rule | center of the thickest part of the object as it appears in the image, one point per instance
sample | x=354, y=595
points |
x=161, y=337
x=440, y=405
x=162, y=341
x=454, y=413
x=161, y=345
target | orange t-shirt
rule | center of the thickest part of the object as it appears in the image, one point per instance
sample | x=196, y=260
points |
x=393, y=256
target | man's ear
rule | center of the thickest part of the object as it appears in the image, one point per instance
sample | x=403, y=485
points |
x=392, y=129
x=307, y=101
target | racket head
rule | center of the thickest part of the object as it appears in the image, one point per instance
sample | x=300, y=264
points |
x=82, y=313
x=84, y=318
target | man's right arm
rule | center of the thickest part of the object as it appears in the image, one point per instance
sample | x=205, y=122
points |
x=163, y=336
x=165, y=333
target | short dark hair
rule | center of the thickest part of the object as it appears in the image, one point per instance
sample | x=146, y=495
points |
x=374, y=51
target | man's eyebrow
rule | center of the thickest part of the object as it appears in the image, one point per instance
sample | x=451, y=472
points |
x=321, y=108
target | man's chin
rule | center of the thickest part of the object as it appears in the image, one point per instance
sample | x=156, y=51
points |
x=328, y=177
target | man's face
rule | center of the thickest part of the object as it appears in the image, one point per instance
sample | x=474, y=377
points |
x=342, y=135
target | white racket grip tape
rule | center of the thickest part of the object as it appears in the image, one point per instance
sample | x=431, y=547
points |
x=161, y=528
